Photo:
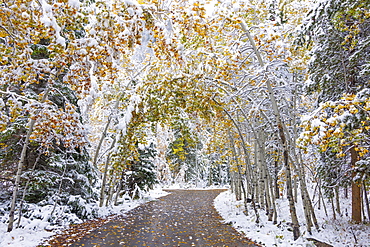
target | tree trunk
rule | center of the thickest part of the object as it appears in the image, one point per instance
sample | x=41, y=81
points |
x=366, y=201
x=273, y=197
x=333, y=208
x=111, y=191
x=20, y=165
x=104, y=133
x=240, y=184
x=104, y=182
x=269, y=197
x=337, y=200
x=356, y=191
x=232, y=183
x=260, y=185
x=105, y=174
x=322, y=199
x=118, y=190
x=309, y=211
x=276, y=185
x=25, y=192
x=295, y=189
x=292, y=209
x=280, y=124
x=246, y=158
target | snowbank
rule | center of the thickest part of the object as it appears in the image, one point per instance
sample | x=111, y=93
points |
x=339, y=233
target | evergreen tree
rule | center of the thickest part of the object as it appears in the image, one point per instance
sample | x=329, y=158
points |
x=340, y=31
x=339, y=73
x=142, y=173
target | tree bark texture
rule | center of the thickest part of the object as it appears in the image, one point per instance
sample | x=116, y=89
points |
x=356, y=191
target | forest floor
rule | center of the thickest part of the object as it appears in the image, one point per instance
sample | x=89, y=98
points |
x=182, y=218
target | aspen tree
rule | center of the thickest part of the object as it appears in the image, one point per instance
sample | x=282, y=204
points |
x=281, y=131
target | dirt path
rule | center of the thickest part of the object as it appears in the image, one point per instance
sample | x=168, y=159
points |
x=182, y=218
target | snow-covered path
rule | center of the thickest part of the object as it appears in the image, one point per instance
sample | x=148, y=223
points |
x=182, y=218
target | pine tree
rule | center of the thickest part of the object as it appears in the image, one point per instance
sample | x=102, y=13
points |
x=340, y=32
x=340, y=74
x=143, y=171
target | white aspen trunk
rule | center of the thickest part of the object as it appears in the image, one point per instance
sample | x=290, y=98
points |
x=238, y=186
x=232, y=181
x=242, y=186
x=104, y=182
x=261, y=175
x=276, y=185
x=111, y=191
x=118, y=190
x=25, y=192
x=295, y=189
x=322, y=199
x=308, y=202
x=273, y=197
x=366, y=200
x=296, y=232
x=280, y=125
x=269, y=209
x=319, y=201
x=105, y=173
x=255, y=190
x=309, y=211
x=210, y=176
x=306, y=209
x=333, y=207
x=337, y=200
x=258, y=191
x=109, y=187
x=246, y=158
x=315, y=191
x=21, y=164
x=265, y=175
x=239, y=183
x=239, y=174
x=104, y=133
x=257, y=174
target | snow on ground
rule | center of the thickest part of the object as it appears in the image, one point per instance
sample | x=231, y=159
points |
x=338, y=233
x=38, y=229
x=184, y=186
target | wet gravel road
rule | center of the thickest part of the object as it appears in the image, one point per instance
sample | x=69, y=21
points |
x=182, y=218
